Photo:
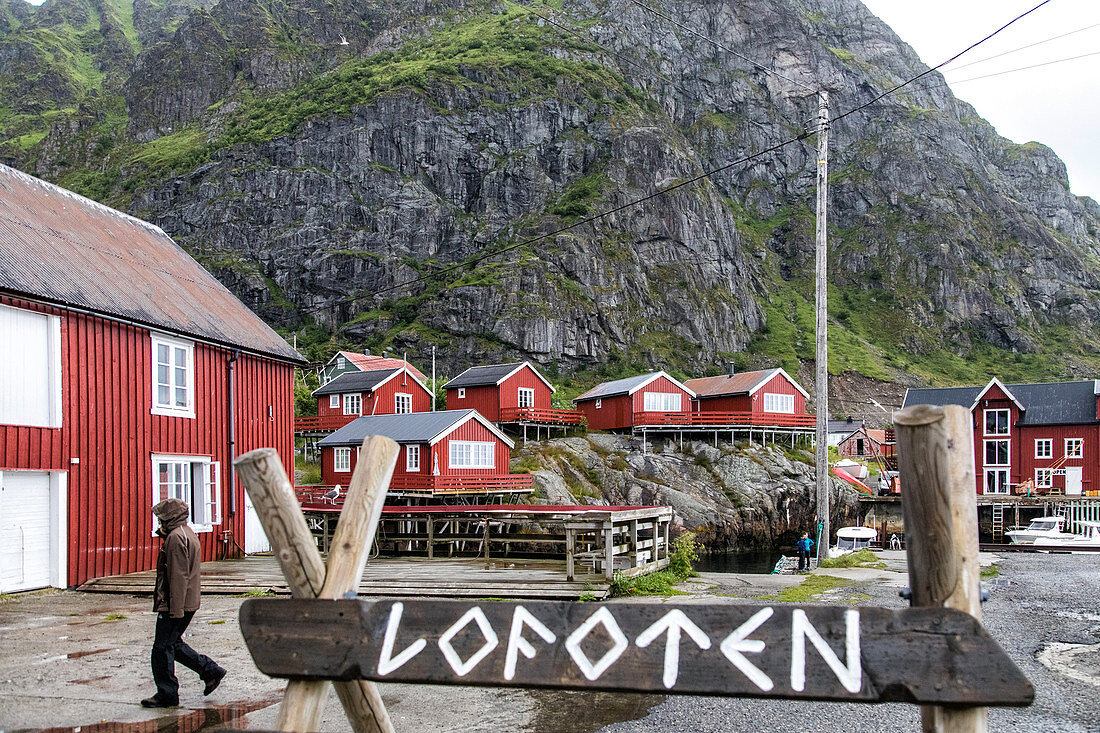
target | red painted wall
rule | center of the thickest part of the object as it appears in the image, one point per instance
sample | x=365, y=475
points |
x=778, y=384
x=381, y=400
x=106, y=423
x=485, y=399
x=490, y=399
x=617, y=413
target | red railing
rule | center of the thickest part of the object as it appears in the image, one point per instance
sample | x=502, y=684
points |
x=429, y=485
x=545, y=416
x=723, y=418
x=327, y=422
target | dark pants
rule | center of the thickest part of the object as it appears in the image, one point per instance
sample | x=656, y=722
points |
x=168, y=646
x=803, y=559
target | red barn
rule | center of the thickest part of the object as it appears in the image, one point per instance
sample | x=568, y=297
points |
x=866, y=444
x=450, y=452
x=379, y=392
x=1040, y=437
x=761, y=394
x=498, y=390
x=128, y=374
x=613, y=405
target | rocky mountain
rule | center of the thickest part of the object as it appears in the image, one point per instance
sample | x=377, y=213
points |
x=345, y=166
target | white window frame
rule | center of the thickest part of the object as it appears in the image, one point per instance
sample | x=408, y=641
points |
x=1080, y=448
x=171, y=409
x=53, y=385
x=599, y=404
x=662, y=402
x=1001, y=474
x=207, y=512
x=412, y=458
x=461, y=393
x=341, y=460
x=471, y=454
x=776, y=402
x=528, y=393
x=358, y=402
x=1044, y=478
x=1008, y=418
x=340, y=363
x=1008, y=452
x=406, y=398
x=1044, y=447
x=334, y=401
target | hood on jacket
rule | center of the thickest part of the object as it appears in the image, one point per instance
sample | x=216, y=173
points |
x=172, y=513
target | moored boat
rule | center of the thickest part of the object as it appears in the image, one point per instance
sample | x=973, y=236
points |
x=1089, y=538
x=1046, y=528
x=852, y=539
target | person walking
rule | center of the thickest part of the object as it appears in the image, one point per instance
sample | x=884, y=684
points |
x=175, y=600
x=804, y=546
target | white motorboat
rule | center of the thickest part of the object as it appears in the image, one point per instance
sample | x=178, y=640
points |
x=1044, y=527
x=852, y=539
x=1089, y=537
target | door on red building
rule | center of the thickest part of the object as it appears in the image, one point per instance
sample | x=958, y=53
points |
x=996, y=480
x=1073, y=480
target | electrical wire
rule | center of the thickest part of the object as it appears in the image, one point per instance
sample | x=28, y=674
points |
x=1022, y=68
x=1021, y=48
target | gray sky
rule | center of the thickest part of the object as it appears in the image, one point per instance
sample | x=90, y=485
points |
x=1057, y=105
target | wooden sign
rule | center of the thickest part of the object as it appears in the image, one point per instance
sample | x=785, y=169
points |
x=919, y=655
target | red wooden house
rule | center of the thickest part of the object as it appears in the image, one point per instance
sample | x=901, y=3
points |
x=1029, y=437
x=343, y=362
x=508, y=393
x=354, y=394
x=128, y=375
x=766, y=397
x=617, y=405
x=442, y=453
x=866, y=444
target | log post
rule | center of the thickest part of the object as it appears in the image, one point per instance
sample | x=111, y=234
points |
x=264, y=479
x=609, y=550
x=570, y=540
x=936, y=461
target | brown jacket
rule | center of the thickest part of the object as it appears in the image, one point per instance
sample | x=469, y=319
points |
x=177, y=587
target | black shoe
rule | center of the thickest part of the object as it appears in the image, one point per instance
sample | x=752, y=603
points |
x=156, y=701
x=213, y=681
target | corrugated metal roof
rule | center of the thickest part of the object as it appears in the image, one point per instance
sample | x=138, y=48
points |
x=726, y=385
x=369, y=362
x=1047, y=403
x=481, y=375
x=844, y=426
x=616, y=387
x=412, y=427
x=355, y=382
x=66, y=249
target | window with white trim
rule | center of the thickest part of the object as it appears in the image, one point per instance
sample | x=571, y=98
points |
x=526, y=397
x=779, y=403
x=412, y=458
x=353, y=404
x=1044, y=447
x=461, y=393
x=340, y=363
x=30, y=368
x=1075, y=447
x=402, y=403
x=341, y=460
x=996, y=422
x=195, y=480
x=334, y=401
x=173, y=376
x=996, y=452
x=996, y=481
x=599, y=404
x=472, y=454
x=661, y=401
x=1044, y=478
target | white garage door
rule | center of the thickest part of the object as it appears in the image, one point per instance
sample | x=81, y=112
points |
x=24, y=530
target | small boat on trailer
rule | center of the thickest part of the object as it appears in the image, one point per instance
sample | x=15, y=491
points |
x=1088, y=539
x=852, y=539
x=1045, y=528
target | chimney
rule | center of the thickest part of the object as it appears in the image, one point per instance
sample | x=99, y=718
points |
x=732, y=370
x=383, y=353
x=366, y=352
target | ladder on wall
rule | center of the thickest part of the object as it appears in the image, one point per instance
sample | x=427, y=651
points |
x=998, y=527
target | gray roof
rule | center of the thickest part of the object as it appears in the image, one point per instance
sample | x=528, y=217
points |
x=844, y=426
x=617, y=387
x=355, y=382
x=413, y=427
x=481, y=375
x=1048, y=403
x=62, y=248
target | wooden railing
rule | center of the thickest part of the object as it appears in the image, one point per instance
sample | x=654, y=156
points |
x=723, y=418
x=326, y=422
x=428, y=485
x=542, y=415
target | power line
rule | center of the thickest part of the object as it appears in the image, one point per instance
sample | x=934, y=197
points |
x=1022, y=68
x=1021, y=48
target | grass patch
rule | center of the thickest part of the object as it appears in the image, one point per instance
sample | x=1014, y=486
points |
x=811, y=587
x=311, y=471
x=215, y=623
x=255, y=593
x=586, y=597
x=861, y=559
x=115, y=616
x=992, y=571
x=685, y=552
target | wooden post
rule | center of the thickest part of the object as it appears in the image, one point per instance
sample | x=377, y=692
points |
x=634, y=543
x=570, y=539
x=262, y=475
x=609, y=551
x=485, y=539
x=936, y=460
x=431, y=538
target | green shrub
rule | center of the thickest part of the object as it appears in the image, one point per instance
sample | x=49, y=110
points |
x=685, y=552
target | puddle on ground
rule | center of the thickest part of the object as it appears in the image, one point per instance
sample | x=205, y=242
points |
x=558, y=709
x=1079, y=661
x=187, y=720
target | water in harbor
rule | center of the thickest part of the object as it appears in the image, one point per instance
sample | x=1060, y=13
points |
x=739, y=561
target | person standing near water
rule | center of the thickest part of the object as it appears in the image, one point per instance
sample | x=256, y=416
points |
x=804, y=546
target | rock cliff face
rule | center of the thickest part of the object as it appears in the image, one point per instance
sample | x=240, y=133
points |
x=330, y=160
x=730, y=496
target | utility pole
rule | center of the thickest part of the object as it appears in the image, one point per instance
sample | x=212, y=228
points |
x=433, y=377
x=822, y=354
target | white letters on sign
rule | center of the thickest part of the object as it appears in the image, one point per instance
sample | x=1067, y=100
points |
x=463, y=668
x=516, y=643
x=386, y=661
x=573, y=644
x=673, y=622
x=736, y=643
x=851, y=677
